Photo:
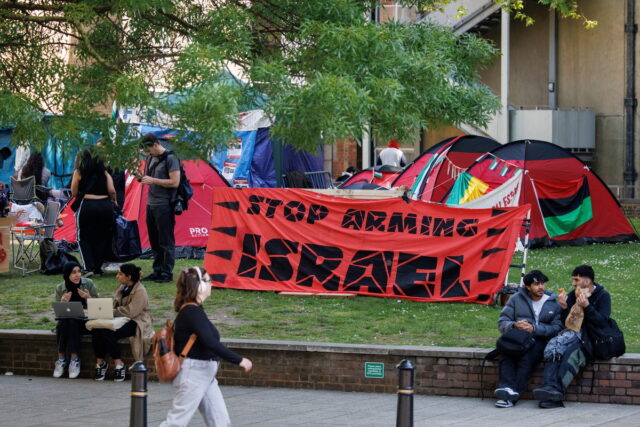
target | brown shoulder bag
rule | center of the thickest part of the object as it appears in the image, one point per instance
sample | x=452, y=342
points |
x=166, y=361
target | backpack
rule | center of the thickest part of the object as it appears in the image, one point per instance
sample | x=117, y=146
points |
x=184, y=192
x=53, y=259
x=165, y=359
x=607, y=342
x=515, y=342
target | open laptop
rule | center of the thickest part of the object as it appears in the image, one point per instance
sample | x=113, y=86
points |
x=69, y=310
x=100, y=308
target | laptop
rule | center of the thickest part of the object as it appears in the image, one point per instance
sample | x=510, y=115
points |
x=69, y=310
x=100, y=308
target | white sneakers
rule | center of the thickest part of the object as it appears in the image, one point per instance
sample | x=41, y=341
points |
x=59, y=369
x=74, y=368
x=506, y=396
x=504, y=404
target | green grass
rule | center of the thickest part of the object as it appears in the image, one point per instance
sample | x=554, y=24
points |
x=25, y=303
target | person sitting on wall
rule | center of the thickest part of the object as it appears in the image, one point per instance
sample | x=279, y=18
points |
x=534, y=310
x=593, y=306
x=68, y=331
x=131, y=301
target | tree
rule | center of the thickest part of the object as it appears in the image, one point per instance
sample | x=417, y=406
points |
x=326, y=71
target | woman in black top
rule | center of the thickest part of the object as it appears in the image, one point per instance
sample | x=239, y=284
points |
x=196, y=384
x=94, y=217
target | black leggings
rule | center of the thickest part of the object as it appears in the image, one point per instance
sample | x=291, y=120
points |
x=94, y=230
x=105, y=341
x=68, y=335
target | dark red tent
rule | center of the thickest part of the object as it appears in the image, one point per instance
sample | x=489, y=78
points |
x=453, y=154
x=570, y=204
x=382, y=175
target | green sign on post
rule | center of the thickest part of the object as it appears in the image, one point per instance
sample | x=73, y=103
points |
x=373, y=370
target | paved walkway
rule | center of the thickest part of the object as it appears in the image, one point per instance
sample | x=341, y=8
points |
x=37, y=401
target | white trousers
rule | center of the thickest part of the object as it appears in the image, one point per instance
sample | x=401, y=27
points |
x=197, y=388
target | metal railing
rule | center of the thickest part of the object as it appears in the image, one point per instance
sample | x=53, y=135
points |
x=620, y=191
x=318, y=179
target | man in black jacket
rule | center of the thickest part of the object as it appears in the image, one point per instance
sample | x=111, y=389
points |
x=532, y=310
x=559, y=372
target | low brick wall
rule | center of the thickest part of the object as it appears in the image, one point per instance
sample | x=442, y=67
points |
x=439, y=370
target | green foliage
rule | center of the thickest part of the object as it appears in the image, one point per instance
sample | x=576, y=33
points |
x=325, y=70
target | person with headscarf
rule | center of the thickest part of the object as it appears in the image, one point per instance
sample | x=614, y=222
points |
x=131, y=301
x=392, y=155
x=68, y=331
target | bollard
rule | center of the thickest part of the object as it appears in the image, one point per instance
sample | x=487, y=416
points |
x=404, y=416
x=138, y=416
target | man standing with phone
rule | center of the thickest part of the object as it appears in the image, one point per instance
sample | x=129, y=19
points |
x=162, y=175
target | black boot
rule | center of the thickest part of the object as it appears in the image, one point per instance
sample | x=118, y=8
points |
x=552, y=386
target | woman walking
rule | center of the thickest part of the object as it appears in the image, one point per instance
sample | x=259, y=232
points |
x=196, y=384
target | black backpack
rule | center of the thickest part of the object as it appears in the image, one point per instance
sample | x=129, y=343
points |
x=607, y=342
x=184, y=192
x=53, y=259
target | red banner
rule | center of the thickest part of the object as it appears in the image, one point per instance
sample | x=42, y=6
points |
x=300, y=241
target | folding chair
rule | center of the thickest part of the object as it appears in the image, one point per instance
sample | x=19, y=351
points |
x=23, y=191
x=51, y=213
x=26, y=239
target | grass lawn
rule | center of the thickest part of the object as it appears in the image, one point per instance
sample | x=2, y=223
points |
x=25, y=303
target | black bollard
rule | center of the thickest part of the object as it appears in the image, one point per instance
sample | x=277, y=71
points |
x=138, y=416
x=404, y=417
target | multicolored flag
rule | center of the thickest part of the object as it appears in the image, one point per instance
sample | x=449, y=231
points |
x=562, y=215
x=466, y=188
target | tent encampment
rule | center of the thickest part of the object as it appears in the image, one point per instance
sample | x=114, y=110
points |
x=381, y=176
x=570, y=204
x=433, y=173
x=192, y=227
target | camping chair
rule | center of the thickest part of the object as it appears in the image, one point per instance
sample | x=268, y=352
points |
x=51, y=213
x=23, y=191
x=26, y=239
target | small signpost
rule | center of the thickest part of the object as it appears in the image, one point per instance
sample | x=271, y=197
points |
x=373, y=370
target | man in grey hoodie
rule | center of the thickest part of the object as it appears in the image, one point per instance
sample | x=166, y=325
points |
x=533, y=310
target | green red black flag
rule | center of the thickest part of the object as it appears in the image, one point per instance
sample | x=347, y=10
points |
x=562, y=215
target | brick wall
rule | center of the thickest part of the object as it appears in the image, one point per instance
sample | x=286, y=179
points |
x=439, y=370
x=345, y=154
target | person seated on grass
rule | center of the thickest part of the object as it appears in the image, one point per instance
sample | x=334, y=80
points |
x=585, y=309
x=130, y=301
x=68, y=331
x=533, y=310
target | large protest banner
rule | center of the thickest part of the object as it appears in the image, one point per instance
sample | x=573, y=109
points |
x=300, y=241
